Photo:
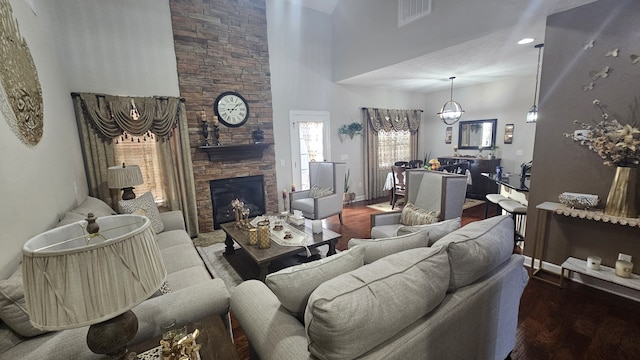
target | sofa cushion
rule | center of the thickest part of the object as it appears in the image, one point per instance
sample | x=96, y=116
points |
x=8, y=338
x=13, y=308
x=146, y=206
x=94, y=205
x=477, y=248
x=293, y=285
x=436, y=230
x=69, y=218
x=413, y=215
x=354, y=312
x=375, y=249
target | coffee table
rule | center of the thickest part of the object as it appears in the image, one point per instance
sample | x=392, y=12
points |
x=264, y=257
x=214, y=337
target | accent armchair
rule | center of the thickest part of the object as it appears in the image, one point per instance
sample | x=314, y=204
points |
x=429, y=190
x=324, y=199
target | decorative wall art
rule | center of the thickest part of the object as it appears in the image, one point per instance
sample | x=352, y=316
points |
x=448, y=134
x=20, y=91
x=508, y=134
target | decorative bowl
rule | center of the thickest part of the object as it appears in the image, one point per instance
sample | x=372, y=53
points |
x=579, y=201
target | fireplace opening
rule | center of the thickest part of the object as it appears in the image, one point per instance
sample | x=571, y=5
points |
x=248, y=189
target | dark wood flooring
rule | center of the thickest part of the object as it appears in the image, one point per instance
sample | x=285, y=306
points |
x=575, y=322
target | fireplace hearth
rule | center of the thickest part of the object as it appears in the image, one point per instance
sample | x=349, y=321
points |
x=248, y=189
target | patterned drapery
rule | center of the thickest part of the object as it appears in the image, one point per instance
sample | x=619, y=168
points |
x=398, y=120
x=103, y=118
x=385, y=120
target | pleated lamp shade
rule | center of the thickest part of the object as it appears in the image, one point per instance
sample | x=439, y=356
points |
x=120, y=177
x=73, y=279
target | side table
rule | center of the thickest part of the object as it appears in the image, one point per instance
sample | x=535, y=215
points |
x=214, y=337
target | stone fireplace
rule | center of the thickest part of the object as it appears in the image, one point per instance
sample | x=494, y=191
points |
x=248, y=189
x=222, y=46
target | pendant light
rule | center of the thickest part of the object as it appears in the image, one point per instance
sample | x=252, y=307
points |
x=451, y=111
x=532, y=115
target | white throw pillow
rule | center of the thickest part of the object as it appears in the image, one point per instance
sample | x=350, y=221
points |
x=143, y=205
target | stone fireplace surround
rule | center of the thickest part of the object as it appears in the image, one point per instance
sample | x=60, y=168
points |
x=222, y=46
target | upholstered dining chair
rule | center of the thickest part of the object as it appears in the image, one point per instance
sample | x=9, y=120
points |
x=324, y=198
x=399, y=188
x=428, y=190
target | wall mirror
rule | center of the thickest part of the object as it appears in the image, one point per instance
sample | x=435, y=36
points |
x=475, y=133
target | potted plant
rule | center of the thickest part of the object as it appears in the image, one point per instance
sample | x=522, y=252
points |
x=493, y=150
x=355, y=128
x=347, y=197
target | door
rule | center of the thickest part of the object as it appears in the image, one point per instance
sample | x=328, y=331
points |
x=309, y=142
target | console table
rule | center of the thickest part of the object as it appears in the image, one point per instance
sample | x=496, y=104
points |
x=480, y=185
x=543, y=212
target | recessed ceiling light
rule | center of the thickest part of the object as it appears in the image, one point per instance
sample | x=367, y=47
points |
x=525, y=41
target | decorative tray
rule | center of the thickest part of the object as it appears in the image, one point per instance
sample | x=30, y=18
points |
x=579, y=201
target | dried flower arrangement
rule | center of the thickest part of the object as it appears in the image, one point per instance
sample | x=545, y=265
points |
x=615, y=143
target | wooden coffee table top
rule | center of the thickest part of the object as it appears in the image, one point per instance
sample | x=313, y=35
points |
x=214, y=337
x=241, y=237
x=264, y=257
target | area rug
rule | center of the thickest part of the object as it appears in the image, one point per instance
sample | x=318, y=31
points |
x=211, y=248
x=386, y=207
x=217, y=264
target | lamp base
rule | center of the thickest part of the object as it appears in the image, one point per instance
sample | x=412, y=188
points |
x=110, y=337
x=127, y=193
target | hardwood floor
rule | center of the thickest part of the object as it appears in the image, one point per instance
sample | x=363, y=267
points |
x=575, y=322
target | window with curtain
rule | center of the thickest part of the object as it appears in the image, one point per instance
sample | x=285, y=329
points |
x=393, y=146
x=143, y=152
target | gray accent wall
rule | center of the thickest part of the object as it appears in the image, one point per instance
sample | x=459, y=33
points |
x=561, y=165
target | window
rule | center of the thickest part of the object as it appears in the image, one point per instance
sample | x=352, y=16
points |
x=142, y=152
x=393, y=146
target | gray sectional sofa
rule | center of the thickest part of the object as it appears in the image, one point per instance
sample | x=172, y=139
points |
x=190, y=295
x=393, y=298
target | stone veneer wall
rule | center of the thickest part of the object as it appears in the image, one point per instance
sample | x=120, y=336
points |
x=221, y=45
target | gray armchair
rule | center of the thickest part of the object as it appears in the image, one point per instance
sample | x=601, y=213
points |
x=429, y=190
x=323, y=175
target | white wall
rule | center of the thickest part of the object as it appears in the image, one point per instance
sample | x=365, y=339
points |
x=40, y=183
x=117, y=47
x=367, y=36
x=300, y=61
x=507, y=100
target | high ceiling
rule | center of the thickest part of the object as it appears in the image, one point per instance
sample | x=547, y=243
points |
x=485, y=59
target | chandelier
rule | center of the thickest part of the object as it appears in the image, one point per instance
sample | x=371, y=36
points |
x=451, y=111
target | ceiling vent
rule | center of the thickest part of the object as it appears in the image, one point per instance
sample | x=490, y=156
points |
x=410, y=10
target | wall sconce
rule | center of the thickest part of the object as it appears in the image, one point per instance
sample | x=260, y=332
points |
x=532, y=115
x=451, y=111
x=134, y=113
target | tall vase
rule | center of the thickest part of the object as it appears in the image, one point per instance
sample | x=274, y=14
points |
x=622, y=195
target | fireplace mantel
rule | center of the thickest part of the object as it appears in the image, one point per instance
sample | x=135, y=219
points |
x=235, y=152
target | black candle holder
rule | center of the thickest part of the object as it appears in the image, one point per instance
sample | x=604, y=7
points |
x=205, y=132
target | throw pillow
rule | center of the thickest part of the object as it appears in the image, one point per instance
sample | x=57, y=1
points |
x=375, y=249
x=293, y=285
x=146, y=206
x=477, y=248
x=353, y=313
x=436, y=230
x=13, y=308
x=413, y=215
x=317, y=191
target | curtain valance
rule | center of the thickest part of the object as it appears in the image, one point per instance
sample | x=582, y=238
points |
x=390, y=119
x=111, y=116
